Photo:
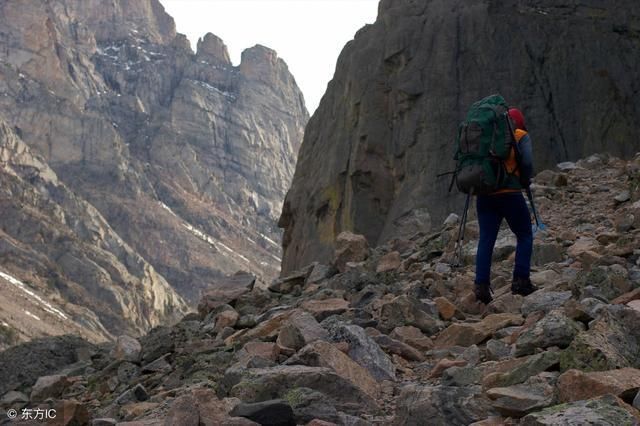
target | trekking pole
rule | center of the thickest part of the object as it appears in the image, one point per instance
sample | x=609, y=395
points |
x=463, y=222
x=539, y=225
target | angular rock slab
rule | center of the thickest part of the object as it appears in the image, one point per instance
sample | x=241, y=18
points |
x=365, y=351
x=575, y=385
x=440, y=406
x=323, y=354
x=555, y=329
x=605, y=411
x=406, y=310
x=225, y=291
x=516, y=401
x=612, y=341
x=467, y=334
x=545, y=301
x=260, y=384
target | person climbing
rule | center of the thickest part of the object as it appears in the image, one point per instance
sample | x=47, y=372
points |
x=508, y=203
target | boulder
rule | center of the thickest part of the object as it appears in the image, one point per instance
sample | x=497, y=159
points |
x=350, y=248
x=323, y=354
x=259, y=384
x=127, y=349
x=324, y=308
x=301, y=329
x=49, y=387
x=555, y=329
x=412, y=336
x=365, y=351
x=389, y=262
x=606, y=410
x=440, y=405
x=517, y=400
x=225, y=291
x=467, y=334
x=399, y=348
x=531, y=366
x=612, y=341
x=406, y=310
x=574, y=385
x=544, y=301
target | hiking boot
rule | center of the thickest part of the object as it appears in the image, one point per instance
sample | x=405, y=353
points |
x=483, y=293
x=522, y=286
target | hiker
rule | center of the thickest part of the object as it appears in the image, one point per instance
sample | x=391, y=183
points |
x=507, y=203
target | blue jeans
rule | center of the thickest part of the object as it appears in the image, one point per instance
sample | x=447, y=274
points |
x=491, y=210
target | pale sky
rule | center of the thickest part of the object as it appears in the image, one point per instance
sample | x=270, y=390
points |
x=308, y=34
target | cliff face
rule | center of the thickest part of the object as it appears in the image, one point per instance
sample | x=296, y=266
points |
x=76, y=274
x=386, y=125
x=186, y=157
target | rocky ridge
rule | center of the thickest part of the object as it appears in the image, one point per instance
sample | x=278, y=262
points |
x=185, y=156
x=386, y=126
x=390, y=335
x=79, y=275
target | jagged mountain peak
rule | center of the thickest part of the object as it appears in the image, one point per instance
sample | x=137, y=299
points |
x=212, y=47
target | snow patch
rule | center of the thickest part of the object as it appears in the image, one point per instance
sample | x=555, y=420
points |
x=207, y=238
x=32, y=315
x=45, y=305
x=269, y=239
x=211, y=88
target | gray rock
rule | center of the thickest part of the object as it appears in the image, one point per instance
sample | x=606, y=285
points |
x=350, y=247
x=127, y=349
x=135, y=394
x=399, y=348
x=127, y=372
x=516, y=401
x=441, y=405
x=544, y=301
x=406, y=310
x=319, y=273
x=498, y=350
x=555, y=329
x=547, y=253
x=160, y=365
x=461, y=376
x=452, y=219
x=604, y=411
x=532, y=366
x=566, y=166
x=22, y=365
x=636, y=401
x=48, y=387
x=612, y=341
x=602, y=282
x=365, y=351
x=286, y=284
x=259, y=384
x=14, y=399
x=309, y=404
x=622, y=197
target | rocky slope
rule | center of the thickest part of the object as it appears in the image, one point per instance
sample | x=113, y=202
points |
x=386, y=336
x=387, y=122
x=77, y=275
x=186, y=157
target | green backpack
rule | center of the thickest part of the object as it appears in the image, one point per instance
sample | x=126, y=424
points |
x=484, y=142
